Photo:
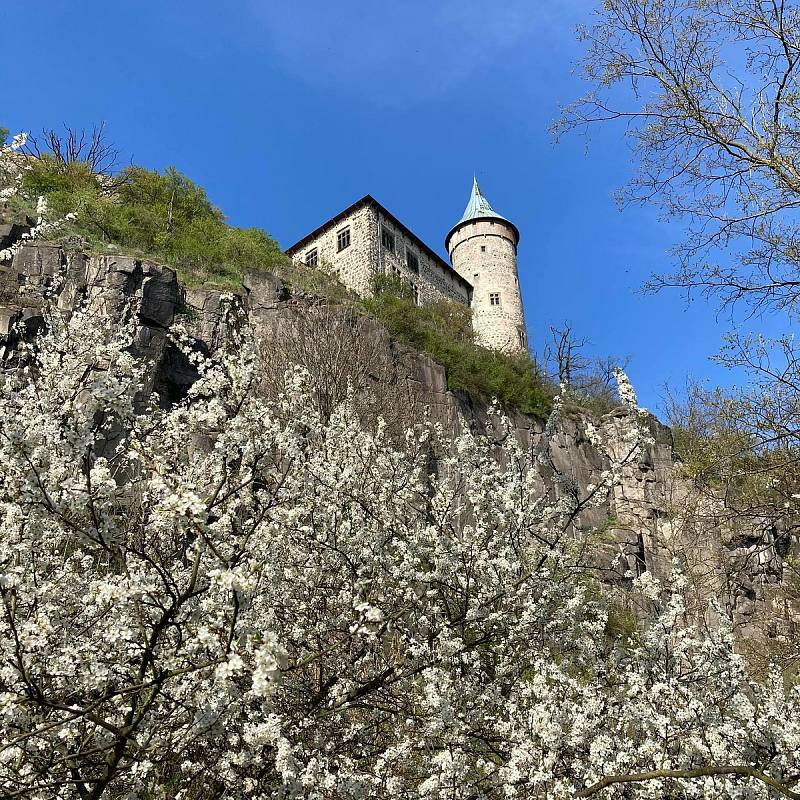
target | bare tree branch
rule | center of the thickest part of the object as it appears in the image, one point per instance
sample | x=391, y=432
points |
x=712, y=116
x=76, y=146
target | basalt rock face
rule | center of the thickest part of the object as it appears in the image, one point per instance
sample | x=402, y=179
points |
x=13, y=225
x=44, y=273
x=652, y=518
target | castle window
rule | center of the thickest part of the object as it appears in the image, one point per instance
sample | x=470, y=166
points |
x=483, y=248
x=343, y=239
x=312, y=258
x=387, y=240
x=494, y=298
x=412, y=260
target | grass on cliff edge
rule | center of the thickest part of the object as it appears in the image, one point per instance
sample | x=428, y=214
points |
x=164, y=217
x=444, y=331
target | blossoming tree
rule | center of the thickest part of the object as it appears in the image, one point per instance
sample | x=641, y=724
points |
x=235, y=597
x=12, y=168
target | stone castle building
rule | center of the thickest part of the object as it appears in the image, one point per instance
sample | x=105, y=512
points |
x=366, y=240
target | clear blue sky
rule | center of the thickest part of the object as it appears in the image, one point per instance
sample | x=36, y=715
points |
x=289, y=111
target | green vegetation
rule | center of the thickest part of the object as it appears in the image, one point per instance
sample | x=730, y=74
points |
x=444, y=331
x=597, y=400
x=728, y=443
x=162, y=216
x=315, y=281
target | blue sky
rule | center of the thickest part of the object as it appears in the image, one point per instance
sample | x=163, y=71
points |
x=287, y=112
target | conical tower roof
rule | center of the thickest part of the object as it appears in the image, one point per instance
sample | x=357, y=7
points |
x=478, y=208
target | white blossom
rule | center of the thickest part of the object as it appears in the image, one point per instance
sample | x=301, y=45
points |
x=232, y=595
x=627, y=393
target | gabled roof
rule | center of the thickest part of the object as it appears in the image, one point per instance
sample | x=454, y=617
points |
x=478, y=208
x=369, y=200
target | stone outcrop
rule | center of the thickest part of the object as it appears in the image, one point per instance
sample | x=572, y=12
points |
x=652, y=517
x=13, y=225
x=42, y=272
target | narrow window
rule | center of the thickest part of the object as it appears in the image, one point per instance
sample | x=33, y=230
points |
x=412, y=260
x=312, y=258
x=343, y=239
x=387, y=240
x=494, y=298
x=483, y=248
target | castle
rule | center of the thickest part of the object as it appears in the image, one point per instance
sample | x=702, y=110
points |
x=366, y=240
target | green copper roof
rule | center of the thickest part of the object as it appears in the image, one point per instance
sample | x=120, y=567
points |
x=478, y=207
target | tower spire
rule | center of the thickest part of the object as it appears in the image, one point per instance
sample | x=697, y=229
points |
x=478, y=207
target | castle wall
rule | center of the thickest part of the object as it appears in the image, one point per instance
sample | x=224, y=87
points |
x=356, y=265
x=484, y=252
x=433, y=282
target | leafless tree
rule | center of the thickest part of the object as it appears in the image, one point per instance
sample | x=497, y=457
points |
x=712, y=115
x=709, y=94
x=344, y=352
x=76, y=146
x=563, y=353
x=586, y=377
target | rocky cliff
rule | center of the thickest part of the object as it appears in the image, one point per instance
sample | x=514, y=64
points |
x=652, y=518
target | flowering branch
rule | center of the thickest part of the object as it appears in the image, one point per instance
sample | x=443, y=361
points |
x=688, y=774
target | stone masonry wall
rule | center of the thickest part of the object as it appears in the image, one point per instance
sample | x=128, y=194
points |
x=356, y=265
x=484, y=253
x=433, y=282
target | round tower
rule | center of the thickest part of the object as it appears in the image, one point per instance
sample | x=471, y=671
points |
x=483, y=249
